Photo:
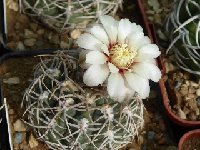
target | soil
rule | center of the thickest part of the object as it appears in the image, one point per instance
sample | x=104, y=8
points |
x=185, y=98
x=22, y=69
x=192, y=143
x=154, y=136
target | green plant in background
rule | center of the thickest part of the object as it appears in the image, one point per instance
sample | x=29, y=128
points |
x=67, y=116
x=183, y=25
x=63, y=15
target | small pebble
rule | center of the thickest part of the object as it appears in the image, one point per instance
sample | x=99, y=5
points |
x=191, y=95
x=29, y=34
x=32, y=141
x=20, y=45
x=29, y=42
x=184, y=90
x=151, y=135
x=197, y=112
x=192, y=116
x=19, y=126
x=11, y=111
x=18, y=138
x=198, y=92
x=40, y=32
x=24, y=147
x=192, y=90
x=181, y=114
x=14, y=80
x=13, y=5
x=196, y=85
x=169, y=67
x=75, y=34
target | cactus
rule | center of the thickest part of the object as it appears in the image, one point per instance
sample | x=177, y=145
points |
x=183, y=27
x=63, y=15
x=68, y=117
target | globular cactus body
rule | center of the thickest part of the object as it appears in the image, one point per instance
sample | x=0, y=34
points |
x=183, y=25
x=63, y=15
x=68, y=117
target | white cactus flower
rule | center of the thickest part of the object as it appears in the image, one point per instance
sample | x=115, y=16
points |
x=119, y=53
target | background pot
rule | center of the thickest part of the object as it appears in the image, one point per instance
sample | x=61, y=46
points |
x=187, y=136
x=169, y=95
x=179, y=126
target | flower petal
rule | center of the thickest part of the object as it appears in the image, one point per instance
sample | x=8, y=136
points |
x=137, y=40
x=88, y=41
x=147, y=70
x=82, y=58
x=151, y=61
x=117, y=89
x=136, y=27
x=104, y=49
x=95, y=75
x=111, y=27
x=113, y=68
x=96, y=57
x=139, y=84
x=99, y=33
x=124, y=28
x=149, y=51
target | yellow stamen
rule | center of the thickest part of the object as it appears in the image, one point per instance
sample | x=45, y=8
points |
x=122, y=56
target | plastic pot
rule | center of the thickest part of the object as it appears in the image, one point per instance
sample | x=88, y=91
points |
x=187, y=136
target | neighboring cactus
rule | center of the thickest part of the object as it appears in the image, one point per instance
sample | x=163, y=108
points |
x=183, y=25
x=67, y=117
x=62, y=15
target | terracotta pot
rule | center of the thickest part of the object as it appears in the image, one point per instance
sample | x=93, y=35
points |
x=169, y=95
x=187, y=136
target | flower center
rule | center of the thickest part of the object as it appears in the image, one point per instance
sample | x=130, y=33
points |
x=121, y=56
